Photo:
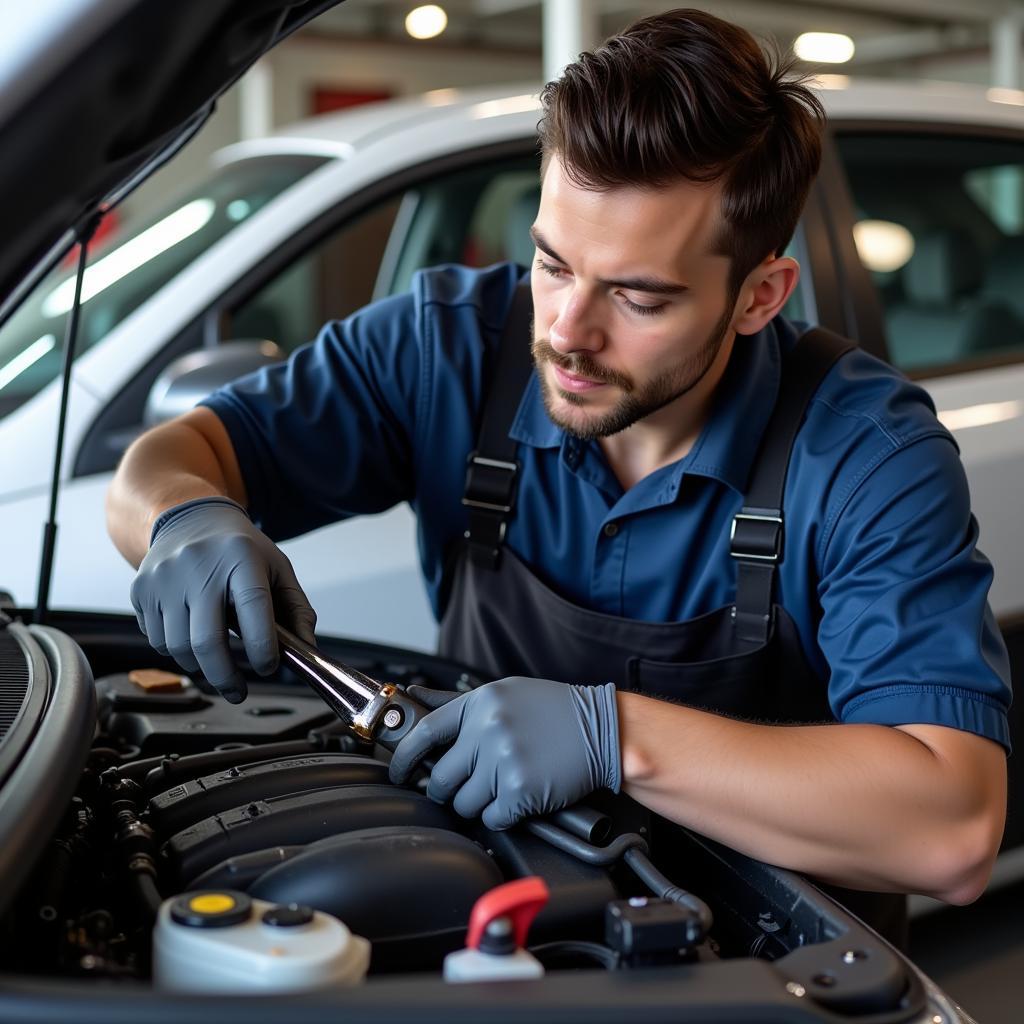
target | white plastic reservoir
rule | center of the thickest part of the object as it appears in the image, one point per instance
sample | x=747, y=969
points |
x=225, y=941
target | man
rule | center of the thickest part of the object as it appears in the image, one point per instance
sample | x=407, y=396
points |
x=827, y=690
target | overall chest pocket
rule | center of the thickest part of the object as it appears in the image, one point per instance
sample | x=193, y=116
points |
x=716, y=671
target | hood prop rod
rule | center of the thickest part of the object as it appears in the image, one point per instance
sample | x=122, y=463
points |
x=85, y=230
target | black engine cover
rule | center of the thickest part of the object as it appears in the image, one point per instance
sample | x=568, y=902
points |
x=408, y=890
x=296, y=819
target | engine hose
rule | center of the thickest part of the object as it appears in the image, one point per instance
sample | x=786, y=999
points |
x=600, y=856
x=642, y=867
x=607, y=957
x=147, y=896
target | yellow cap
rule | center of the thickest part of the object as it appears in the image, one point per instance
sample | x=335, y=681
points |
x=211, y=903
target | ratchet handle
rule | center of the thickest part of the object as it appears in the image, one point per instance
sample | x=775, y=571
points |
x=397, y=719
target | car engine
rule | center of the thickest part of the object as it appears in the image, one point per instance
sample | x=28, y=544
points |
x=124, y=785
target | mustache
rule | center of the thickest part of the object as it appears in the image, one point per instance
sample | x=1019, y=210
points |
x=579, y=364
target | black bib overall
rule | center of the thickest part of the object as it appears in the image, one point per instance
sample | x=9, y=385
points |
x=744, y=660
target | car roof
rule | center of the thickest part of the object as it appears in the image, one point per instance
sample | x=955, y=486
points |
x=845, y=99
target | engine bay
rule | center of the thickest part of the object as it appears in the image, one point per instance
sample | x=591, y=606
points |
x=169, y=792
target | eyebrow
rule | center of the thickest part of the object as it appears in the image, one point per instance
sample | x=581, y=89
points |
x=650, y=285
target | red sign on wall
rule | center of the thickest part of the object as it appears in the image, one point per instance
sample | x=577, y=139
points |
x=324, y=100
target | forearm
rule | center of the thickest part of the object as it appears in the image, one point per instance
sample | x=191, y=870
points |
x=172, y=463
x=865, y=806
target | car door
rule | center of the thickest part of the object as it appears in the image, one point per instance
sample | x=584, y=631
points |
x=933, y=224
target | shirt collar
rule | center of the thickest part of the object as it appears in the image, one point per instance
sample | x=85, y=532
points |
x=727, y=445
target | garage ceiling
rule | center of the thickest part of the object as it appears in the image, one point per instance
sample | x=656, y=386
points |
x=883, y=30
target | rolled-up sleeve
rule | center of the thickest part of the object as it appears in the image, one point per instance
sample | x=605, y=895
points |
x=906, y=627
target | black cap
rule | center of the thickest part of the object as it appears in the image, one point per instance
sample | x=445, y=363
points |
x=292, y=915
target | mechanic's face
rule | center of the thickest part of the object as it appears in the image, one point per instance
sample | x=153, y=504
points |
x=631, y=309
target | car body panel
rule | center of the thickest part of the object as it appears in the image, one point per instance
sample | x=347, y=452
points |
x=368, y=148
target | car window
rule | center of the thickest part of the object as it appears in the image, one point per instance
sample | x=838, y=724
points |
x=940, y=228
x=475, y=216
x=135, y=258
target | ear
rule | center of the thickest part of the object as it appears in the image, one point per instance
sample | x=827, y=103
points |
x=764, y=293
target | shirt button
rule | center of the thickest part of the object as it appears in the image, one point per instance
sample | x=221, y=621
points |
x=610, y=529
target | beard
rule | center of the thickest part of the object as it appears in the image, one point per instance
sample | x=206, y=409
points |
x=635, y=402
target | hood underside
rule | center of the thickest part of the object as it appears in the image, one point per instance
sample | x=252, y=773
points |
x=84, y=123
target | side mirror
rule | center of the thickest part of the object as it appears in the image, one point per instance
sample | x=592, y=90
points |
x=191, y=377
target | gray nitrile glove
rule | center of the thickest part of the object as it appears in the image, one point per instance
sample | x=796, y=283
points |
x=520, y=747
x=206, y=557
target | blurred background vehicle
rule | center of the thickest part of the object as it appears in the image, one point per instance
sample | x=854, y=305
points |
x=911, y=243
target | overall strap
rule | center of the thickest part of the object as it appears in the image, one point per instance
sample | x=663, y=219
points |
x=756, y=541
x=492, y=472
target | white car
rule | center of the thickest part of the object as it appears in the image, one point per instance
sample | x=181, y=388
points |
x=324, y=216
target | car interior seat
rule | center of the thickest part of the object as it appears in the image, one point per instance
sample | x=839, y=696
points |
x=945, y=315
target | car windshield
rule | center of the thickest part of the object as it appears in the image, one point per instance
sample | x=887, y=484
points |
x=134, y=255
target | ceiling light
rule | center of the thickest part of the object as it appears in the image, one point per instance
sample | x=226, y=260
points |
x=883, y=245
x=426, y=22
x=827, y=81
x=824, y=47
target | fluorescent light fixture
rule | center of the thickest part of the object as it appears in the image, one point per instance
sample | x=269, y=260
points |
x=509, y=105
x=440, y=97
x=25, y=358
x=981, y=415
x=883, y=245
x=824, y=47
x=426, y=22
x=132, y=255
x=997, y=94
x=828, y=81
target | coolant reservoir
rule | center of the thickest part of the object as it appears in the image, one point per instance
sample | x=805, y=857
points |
x=225, y=941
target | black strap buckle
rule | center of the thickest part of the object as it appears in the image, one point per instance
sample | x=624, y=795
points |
x=490, y=495
x=490, y=484
x=757, y=534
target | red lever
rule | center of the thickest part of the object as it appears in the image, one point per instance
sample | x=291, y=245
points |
x=521, y=901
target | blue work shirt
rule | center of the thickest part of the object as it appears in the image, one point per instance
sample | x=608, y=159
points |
x=880, y=571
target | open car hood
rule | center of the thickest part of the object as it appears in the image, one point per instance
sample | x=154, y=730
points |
x=96, y=94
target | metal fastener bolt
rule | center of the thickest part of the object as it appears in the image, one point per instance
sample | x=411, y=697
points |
x=393, y=718
x=795, y=988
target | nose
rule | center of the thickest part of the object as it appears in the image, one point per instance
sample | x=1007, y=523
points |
x=575, y=328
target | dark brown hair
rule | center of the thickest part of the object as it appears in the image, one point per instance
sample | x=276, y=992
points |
x=686, y=95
